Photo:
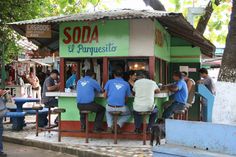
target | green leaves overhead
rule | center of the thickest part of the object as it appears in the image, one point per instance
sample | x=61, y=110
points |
x=217, y=28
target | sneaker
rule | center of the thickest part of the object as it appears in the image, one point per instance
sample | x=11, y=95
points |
x=2, y=154
x=109, y=130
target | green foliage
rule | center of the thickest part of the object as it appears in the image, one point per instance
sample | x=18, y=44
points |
x=217, y=28
x=17, y=10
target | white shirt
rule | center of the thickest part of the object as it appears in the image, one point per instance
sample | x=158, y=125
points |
x=144, y=95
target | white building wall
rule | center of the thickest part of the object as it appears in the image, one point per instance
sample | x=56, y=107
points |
x=142, y=37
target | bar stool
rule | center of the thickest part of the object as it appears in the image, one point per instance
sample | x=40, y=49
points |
x=144, y=115
x=115, y=115
x=181, y=114
x=59, y=111
x=86, y=125
x=37, y=108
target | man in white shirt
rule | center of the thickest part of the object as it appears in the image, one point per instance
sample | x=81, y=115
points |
x=144, y=90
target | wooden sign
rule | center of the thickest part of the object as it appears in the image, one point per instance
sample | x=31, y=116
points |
x=38, y=31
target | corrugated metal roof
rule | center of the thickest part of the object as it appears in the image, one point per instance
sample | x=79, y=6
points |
x=91, y=16
x=175, y=23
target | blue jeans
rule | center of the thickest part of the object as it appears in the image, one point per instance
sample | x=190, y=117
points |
x=175, y=106
x=1, y=132
x=138, y=119
x=122, y=119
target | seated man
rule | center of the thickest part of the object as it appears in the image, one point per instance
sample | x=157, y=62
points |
x=191, y=88
x=117, y=91
x=180, y=95
x=144, y=90
x=50, y=85
x=86, y=88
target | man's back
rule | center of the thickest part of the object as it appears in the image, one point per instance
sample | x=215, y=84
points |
x=144, y=95
x=117, y=89
x=208, y=82
x=47, y=83
x=86, y=88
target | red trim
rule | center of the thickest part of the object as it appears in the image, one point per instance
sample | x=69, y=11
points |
x=105, y=70
x=75, y=126
x=152, y=67
x=78, y=71
x=62, y=74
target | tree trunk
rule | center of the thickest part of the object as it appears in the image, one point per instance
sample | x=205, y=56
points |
x=155, y=4
x=228, y=67
x=203, y=21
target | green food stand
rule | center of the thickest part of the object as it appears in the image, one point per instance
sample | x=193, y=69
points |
x=159, y=42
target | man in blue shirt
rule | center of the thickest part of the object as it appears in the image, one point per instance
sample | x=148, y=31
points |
x=117, y=91
x=86, y=88
x=180, y=90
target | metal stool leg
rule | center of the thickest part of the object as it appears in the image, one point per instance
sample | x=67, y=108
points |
x=49, y=119
x=37, y=122
x=59, y=127
x=115, y=128
x=186, y=114
x=144, y=130
x=86, y=128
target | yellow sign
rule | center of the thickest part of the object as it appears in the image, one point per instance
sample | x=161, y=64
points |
x=38, y=31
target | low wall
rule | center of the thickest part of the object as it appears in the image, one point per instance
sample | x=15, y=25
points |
x=207, y=136
x=224, y=108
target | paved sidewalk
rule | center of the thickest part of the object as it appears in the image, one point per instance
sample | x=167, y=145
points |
x=77, y=146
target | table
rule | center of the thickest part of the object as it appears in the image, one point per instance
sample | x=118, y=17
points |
x=18, y=123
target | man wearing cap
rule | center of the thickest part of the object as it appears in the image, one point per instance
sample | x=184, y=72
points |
x=144, y=90
x=50, y=85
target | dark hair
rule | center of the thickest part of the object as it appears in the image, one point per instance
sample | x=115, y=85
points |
x=178, y=74
x=132, y=72
x=89, y=73
x=142, y=74
x=55, y=71
x=184, y=73
x=118, y=72
x=203, y=71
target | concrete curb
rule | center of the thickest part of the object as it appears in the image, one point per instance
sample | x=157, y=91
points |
x=54, y=147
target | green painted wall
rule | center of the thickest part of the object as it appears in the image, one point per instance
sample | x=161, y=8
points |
x=72, y=112
x=92, y=39
x=162, y=52
x=183, y=54
x=175, y=41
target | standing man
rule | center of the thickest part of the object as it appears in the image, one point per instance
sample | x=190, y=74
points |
x=144, y=90
x=2, y=112
x=86, y=88
x=117, y=91
x=209, y=83
x=50, y=85
x=180, y=95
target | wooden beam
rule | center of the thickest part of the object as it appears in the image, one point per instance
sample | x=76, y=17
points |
x=105, y=70
x=152, y=67
x=62, y=74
